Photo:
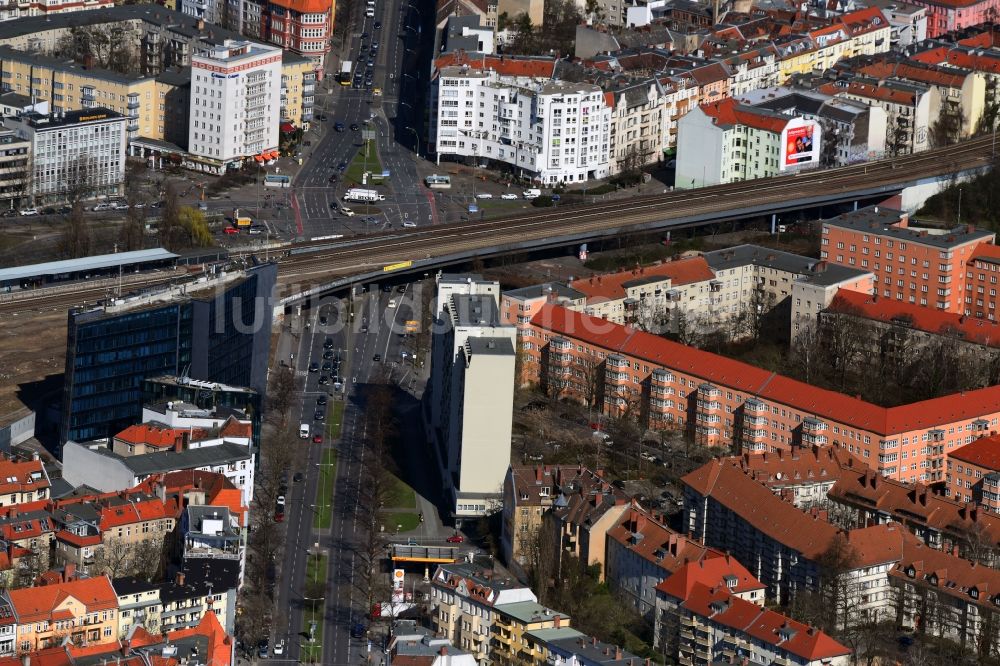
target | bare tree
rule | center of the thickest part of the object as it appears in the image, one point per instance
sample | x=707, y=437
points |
x=281, y=395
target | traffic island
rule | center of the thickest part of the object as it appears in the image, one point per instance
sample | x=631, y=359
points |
x=323, y=515
x=315, y=609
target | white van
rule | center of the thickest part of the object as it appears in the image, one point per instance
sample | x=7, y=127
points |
x=304, y=431
x=532, y=193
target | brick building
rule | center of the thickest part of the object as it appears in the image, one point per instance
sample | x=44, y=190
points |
x=723, y=402
x=974, y=473
x=921, y=265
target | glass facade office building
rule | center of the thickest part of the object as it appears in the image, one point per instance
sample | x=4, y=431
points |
x=221, y=336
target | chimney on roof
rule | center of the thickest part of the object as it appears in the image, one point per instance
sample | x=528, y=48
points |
x=970, y=228
x=593, y=641
x=443, y=651
x=179, y=579
x=200, y=24
x=557, y=622
x=69, y=572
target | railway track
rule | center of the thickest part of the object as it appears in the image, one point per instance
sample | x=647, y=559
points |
x=356, y=256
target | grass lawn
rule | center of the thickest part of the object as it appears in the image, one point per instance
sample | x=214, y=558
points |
x=400, y=496
x=406, y=521
x=357, y=166
x=334, y=420
x=312, y=653
x=324, y=490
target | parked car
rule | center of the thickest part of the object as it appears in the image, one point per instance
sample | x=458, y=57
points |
x=455, y=538
x=263, y=649
x=279, y=647
x=508, y=196
x=484, y=195
x=298, y=476
x=321, y=401
x=27, y=212
x=319, y=415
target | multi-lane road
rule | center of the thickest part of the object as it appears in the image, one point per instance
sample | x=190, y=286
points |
x=343, y=339
x=314, y=197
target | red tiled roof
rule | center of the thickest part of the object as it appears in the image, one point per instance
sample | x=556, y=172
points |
x=923, y=74
x=306, y=6
x=931, y=320
x=988, y=61
x=536, y=68
x=711, y=572
x=35, y=604
x=915, y=504
x=235, y=428
x=659, y=544
x=755, y=381
x=612, y=286
x=950, y=575
x=767, y=626
x=984, y=452
x=76, y=540
x=771, y=515
x=220, y=645
x=20, y=474
x=133, y=512
x=799, y=466
x=870, y=92
x=730, y=112
x=158, y=436
x=864, y=20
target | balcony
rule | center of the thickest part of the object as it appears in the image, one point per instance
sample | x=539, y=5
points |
x=756, y=421
x=560, y=345
x=811, y=424
x=133, y=104
x=661, y=377
x=616, y=361
x=709, y=391
x=709, y=405
x=709, y=418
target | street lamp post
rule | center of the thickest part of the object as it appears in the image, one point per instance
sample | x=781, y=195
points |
x=417, y=137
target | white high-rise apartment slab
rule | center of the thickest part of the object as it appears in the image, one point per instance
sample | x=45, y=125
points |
x=471, y=392
x=553, y=131
x=235, y=104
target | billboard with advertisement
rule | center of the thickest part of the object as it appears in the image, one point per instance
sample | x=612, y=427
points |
x=800, y=143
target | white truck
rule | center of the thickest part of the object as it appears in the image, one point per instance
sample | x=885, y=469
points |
x=360, y=195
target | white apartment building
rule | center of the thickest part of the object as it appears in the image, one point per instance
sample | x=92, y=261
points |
x=472, y=372
x=728, y=142
x=553, y=131
x=235, y=104
x=77, y=154
x=636, y=126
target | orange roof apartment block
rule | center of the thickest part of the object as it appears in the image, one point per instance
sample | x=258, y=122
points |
x=85, y=610
x=686, y=388
x=973, y=474
x=731, y=624
x=884, y=241
x=22, y=482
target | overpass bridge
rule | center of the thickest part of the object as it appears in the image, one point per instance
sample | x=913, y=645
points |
x=312, y=269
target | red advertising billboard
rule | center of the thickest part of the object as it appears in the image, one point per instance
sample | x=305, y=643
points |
x=800, y=142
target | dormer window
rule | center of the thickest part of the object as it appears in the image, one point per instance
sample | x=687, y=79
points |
x=974, y=592
x=544, y=492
